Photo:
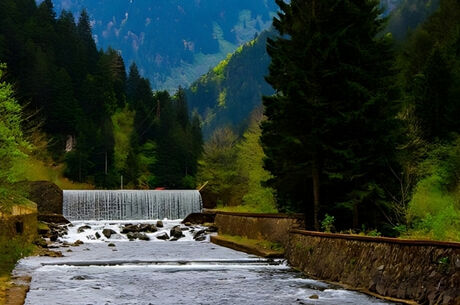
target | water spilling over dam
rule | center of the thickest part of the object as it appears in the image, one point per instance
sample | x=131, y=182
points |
x=130, y=204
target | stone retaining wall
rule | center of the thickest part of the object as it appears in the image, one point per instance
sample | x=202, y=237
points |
x=425, y=271
x=271, y=227
x=21, y=223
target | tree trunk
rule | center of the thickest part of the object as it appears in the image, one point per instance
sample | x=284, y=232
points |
x=316, y=194
x=355, y=216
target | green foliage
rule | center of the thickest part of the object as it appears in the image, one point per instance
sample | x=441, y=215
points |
x=327, y=223
x=73, y=91
x=250, y=166
x=234, y=169
x=218, y=167
x=123, y=128
x=12, y=142
x=229, y=93
x=332, y=122
x=11, y=250
x=434, y=210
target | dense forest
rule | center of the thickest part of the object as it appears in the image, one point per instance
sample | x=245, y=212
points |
x=361, y=132
x=357, y=128
x=100, y=121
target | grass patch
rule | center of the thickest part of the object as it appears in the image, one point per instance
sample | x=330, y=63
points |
x=246, y=209
x=12, y=250
x=33, y=169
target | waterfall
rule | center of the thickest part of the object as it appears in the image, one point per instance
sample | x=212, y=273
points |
x=130, y=204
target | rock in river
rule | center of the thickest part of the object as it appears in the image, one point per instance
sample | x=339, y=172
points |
x=176, y=232
x=108, y=232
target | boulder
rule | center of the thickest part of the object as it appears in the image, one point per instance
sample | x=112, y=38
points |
x=97, y=235
x=149, y=228
x=199, y=218
x=77, y=243
x=108, y=232
x=111, y=245
x=211, y=229
x=136, y=235
x=83, y=228
x=142, y=236
x=160, y=224
x=163, y=236
x=47, y=195
x=200, y=238
x=130, y=229
x=176, y=232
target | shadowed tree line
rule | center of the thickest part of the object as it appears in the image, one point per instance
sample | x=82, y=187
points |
x=72, y=90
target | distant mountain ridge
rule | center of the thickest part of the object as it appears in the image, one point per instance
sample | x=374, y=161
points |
x=173, y=42
x=227, y=94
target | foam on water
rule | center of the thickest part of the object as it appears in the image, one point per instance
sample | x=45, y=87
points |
x=89, y=235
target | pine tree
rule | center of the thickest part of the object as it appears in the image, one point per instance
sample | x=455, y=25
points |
x=330, y=122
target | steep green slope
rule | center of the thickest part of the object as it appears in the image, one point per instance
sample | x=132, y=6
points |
x=227, y=94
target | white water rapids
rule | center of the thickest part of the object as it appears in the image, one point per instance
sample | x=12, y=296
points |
x=167, y=272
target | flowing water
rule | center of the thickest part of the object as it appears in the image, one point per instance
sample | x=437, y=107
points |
x=168, y=272
x=130, y=204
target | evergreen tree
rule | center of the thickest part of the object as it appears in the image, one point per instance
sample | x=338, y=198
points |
x=330, y=122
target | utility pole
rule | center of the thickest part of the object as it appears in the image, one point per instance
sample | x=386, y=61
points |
x=121, y=182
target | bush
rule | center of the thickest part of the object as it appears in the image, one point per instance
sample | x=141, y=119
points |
x=434, y=211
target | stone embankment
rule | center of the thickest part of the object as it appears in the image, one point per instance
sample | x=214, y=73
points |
x=425, y=272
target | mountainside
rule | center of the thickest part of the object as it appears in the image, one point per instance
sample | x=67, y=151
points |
x=173, y=42
x=227, y=94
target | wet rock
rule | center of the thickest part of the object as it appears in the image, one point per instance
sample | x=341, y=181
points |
x=41, y=242
x=77, y=243
x=200, y=235
x=188, y=224
x=108, y=232
x=83, y=228
x=129, y=229
x=52, y=253
x=160, y=224
x=314, y=297
x=184, y=229
x=137, y=235
x=211, y=229
x=97, y=235
x=69, y=250
x=142, y=236
x=54, y=237
x=200, y=238
x=80, y=277
x=149, y=228
x=199, y=218
x=130, y=236
x=176, y=232
x=111, y=245
x=163, y=236
x=174, y=239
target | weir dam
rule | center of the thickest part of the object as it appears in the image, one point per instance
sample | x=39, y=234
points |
x=130, y=204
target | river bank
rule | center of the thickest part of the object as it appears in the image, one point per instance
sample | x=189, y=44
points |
x=424, y=272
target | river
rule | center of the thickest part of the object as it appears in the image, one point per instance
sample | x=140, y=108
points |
x=168, y=272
